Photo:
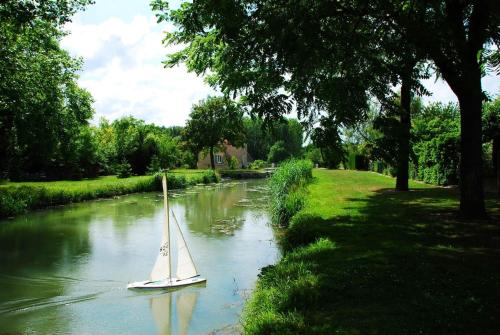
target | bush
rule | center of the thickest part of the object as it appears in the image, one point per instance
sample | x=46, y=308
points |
x=287, y=189
x=257, y=164
x=124, y=170
x=233, y=163
x=277, y=153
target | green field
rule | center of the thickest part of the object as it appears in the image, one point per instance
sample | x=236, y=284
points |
x=19, y=197
x=362, y=259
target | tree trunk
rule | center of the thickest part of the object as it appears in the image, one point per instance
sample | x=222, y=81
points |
x=466, y=84
x=404, y=136
x=496, y=160
x=471, y=160
x=212, y=161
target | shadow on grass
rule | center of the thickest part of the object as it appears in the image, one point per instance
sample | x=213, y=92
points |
x=407, y=264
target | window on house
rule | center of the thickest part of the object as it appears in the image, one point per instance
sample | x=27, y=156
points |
x=219, y=159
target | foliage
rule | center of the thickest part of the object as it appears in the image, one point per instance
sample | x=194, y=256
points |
x=213, y=121
x=329, y=57
x=124, y=170
x=277, y=153
x=43, y=112
x=257, y=164
x=312, y=153
x=363, y=252
x=287, y=189
x=146, y=147
x=326, y=137
x=233, y=162
x=260, y=137
x=436, y=140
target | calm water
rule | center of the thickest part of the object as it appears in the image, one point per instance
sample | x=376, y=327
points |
x=64, y=270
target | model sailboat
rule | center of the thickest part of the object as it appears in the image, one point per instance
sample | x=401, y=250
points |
x=161, y=276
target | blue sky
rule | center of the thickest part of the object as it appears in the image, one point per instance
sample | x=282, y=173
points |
x=120, y=43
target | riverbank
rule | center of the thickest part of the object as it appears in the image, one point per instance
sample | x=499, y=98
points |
x=17, y=198
x=363, y=259
x=244, y=174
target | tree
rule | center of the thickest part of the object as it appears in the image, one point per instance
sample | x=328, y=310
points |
x=326, y=138
x=213, y=121
x=455, y=36
x=328, y=56
x=307, y=57
x=277, y=153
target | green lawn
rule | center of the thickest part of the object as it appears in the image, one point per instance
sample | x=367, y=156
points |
x=363, y=259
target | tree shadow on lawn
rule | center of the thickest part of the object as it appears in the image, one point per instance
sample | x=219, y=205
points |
x=405, y=265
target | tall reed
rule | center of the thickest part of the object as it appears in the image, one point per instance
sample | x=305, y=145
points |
x=287, y=188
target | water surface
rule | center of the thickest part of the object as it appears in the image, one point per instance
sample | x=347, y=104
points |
x=65, y=270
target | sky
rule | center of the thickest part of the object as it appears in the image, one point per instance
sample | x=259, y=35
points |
x=121, y=46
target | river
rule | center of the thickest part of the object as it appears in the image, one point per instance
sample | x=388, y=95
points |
x=64, y=270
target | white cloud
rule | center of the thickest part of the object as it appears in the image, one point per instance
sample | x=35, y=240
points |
x=123, y=71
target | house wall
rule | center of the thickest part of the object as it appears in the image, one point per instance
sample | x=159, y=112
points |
x=229, y=151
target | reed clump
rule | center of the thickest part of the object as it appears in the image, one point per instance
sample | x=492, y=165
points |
x=288, y=189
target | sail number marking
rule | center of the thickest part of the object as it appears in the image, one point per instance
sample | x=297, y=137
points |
x=164, y=249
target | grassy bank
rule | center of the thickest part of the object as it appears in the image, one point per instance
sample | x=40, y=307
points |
x=363, y=259
x=243, y=174
x=16, y=198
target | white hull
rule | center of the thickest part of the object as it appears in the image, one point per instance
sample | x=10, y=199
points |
x=165, y=283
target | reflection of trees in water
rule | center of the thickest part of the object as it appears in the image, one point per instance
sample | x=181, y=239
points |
x=56, y=237
x=203, y=209
x=221, y=210
x=42, y=251
x=165, y=314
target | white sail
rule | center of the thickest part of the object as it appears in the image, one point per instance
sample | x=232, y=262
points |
x=185, y=264
x=161, y=270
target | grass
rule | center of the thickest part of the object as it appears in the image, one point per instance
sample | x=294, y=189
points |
x=287, y=189
x=243, y=173
x=19, y=197
x=360, y=258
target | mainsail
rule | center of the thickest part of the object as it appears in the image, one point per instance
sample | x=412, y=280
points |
x=185, y=264
x=161, y=270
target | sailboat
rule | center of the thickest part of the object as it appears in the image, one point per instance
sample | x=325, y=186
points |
x=161, y=276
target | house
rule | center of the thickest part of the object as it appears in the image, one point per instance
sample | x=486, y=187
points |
x=222, y=157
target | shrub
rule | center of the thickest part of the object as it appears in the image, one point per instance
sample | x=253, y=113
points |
x=257, y=164
x=208, y=177
x=124, y=170
x=233, y=162
x=287, y=189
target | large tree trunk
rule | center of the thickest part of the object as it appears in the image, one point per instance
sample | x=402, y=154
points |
x=471, y=160
x=466, y=84
x=212, y=161
x=404, y=138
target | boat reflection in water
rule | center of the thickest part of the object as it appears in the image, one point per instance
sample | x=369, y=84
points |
x=173, y=311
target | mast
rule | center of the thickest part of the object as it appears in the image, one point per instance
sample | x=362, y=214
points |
x=162, y=267
x=167, y=217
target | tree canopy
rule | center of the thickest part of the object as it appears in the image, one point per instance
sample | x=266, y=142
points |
x=331, y=56
x=213, y=121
